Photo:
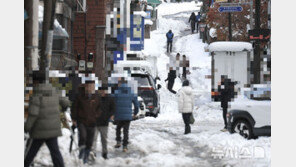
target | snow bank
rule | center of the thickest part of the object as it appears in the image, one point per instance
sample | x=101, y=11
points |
x=230, y=46
x=213, y=32
x=142, y=13
x=148, y=22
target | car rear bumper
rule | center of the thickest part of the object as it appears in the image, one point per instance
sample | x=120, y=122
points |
x=153, y=111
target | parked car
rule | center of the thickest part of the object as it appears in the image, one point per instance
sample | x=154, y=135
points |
x=250, y=119
x=148, y=91
x=142, y=72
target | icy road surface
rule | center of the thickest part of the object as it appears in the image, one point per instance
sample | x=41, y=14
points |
x=160, y=142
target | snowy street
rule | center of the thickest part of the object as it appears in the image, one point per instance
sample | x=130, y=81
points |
x=161, y=141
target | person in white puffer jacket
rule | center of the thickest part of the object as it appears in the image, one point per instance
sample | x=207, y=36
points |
x=186, y=104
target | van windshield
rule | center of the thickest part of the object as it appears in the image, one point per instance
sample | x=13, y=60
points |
x=142, y=80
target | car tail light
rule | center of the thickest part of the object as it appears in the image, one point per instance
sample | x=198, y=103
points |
x=150, y=106
x=214, y=93
x=146, y=88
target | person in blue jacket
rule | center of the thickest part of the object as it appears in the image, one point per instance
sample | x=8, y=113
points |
x=170, y=37
x=124, y=98
x=197, y=20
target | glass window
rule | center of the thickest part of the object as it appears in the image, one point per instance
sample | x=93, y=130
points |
x=142, y=80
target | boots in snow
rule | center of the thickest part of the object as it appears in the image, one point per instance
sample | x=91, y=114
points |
x=92, y=156
x=124, y=149
x=81, y=153
x=104, y=155
x=118, y=144
x=86, y=155
x=224, y=130
x=187, y=129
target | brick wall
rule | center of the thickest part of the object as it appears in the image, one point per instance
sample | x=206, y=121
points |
x=95, y=16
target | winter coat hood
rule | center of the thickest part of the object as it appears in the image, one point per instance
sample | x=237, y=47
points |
x=187, y=90
x=124, y=98
x=45, y=90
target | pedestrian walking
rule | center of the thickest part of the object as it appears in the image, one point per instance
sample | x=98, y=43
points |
x=107, y=111
x=178, y=64
x=43, y=122
x=186, y=104
x=184, y=66
x=124, y=98
x=171, y=80
x=85, y=112
x=197, y=20
x=192, y=21
x=170, y=36
x=226, y=92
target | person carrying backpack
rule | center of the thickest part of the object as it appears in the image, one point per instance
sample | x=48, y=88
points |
x=170, y=37
x=197, y=20
x=192, y=21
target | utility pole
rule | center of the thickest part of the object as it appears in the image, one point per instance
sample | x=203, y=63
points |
x=47, y=36
x=229, y=25
x=31, y=35
x=257, y=59
x=251, y=15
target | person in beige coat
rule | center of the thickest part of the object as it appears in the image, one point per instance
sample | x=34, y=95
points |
x=186, y=104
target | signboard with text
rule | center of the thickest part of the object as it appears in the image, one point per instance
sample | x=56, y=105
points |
x=230, y=9
x=221, y=1
x=137, y=33
x=259, y=34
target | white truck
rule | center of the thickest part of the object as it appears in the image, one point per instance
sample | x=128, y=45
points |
x=231, y=59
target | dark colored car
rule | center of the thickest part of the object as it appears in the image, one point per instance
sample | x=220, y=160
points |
x=148, y=91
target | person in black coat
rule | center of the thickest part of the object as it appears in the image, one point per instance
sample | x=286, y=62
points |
x=226, y=93
x=171, y=80
x=107, y=110
x=192, y=21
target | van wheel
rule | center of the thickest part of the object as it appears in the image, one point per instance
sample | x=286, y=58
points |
x=243, y=128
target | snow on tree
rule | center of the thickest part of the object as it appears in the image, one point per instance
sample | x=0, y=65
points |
x=240, y=21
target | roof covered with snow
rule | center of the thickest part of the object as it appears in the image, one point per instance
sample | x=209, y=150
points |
x=133, y=63
x=142, y=13
x=148, y=22
x=149, y=7
x=230, y=46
